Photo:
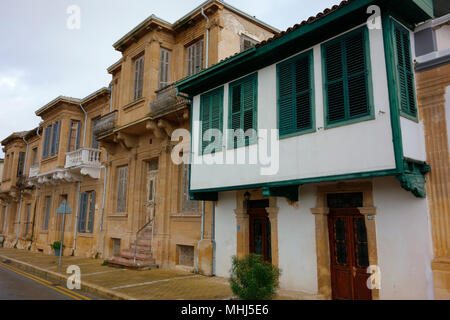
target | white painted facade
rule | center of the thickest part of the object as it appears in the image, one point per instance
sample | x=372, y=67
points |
x=354, y=148
x=403, y=235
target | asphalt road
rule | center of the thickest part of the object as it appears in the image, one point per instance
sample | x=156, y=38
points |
x=16, y=284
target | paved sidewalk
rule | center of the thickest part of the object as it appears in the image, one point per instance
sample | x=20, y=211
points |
x=117, y=283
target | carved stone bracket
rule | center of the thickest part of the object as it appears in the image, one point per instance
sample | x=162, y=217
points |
x=413, y=179
x=152, y=126
x=167, y=126
x=127, y=141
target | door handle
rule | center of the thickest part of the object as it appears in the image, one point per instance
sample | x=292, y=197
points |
x=354, y=272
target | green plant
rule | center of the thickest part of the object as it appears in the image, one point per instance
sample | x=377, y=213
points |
x=254, y=279
x=56, y=245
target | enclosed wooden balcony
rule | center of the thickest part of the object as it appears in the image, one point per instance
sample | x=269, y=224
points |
x=106, y=124
x=167, y=101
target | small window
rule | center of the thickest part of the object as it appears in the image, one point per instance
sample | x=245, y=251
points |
x=21, y=164
x=87, y=212
x=138, y=77
x=74, y=135
x=347, y=80
x=295, y=95
x=247, y=42
x=48, y=203
x=242, y=111
x=405, y=71
x=164, y=68
x=122, y=179
x=195, y=58
x=95, y=144
x=211, y=110
x=34, y=156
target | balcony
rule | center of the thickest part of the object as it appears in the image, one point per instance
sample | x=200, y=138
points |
x=34, y=170
x=85, y=161
x=167, y=101
x=105, y=124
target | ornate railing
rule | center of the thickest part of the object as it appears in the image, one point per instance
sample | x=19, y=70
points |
x=105, y=124
x=34, y=171
x=83, y=157
x=166, y=101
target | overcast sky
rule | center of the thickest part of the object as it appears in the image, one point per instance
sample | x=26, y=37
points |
x=40, y=58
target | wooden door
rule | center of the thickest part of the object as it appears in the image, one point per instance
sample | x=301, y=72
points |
x=349, y=257
x=260, y=242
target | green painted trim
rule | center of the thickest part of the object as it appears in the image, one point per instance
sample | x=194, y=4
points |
x=209, y=95
x=408, y=115
x=204, y=196
x=392, y=88
x=413, y=179
x=277, y=184
x=288, y=192
x=369, y=81
x=230, y=140
x=292, y=60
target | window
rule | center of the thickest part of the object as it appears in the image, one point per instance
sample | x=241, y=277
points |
x=211, y=110
x=138, y=77
x=87, y=211
x=195, y=58
x=34, y=156
x=51, y=140
x=6, y=168
x=122, y=177
x=74, y=135
x=187, y=205
x=247, y=42
x=21, y=164
x=347, y=78
x=95, y=144
x=48, y=203
x=242, y=111
x=164, y=68
x=295, y=95
x=404, y=70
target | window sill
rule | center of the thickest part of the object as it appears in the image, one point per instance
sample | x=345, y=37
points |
x=133, y=103
x=349, y=122
x=118, y=215
x=48, y=159
x=409, y=117
x=85, y=235
x=295, y=134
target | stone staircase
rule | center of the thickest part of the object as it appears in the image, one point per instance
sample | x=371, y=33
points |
x=144, y=255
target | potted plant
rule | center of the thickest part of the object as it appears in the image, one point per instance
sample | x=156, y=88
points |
x=57, y=247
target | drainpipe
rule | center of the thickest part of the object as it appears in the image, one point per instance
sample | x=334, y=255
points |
x=21, y=192
x=85, y=125
x=213, y=238
x=207, y=37
x=202, y=233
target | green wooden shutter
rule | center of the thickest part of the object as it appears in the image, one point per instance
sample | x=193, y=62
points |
x=243, y=109
x=405, y=75
x=346, y=72
x=295, y=83
x=211, y=111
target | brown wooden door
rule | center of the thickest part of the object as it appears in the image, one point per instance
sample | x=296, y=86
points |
x=349, y=255
x=260, y=242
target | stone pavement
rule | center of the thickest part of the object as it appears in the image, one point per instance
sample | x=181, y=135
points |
x=117, y=283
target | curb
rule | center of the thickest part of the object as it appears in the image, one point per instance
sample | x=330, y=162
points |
x=54, y=276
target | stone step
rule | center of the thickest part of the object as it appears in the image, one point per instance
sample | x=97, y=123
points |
x=128, y=263
x=139, y=256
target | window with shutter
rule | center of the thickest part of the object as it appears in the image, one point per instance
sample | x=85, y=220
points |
x=404, y=70
x=195, y=58
x=74, y=135
x=21, y=164
x=83, y=212
x=48, y=202
x=211, y=115
x=122, y=177
x=95, y=144
x=296, y=95
x=47, y=139
x=55, y=138
x=243, y=111
x=164, y=68
x=247, y=42
x=347, y=78
x=90, y=224
x=138, y=77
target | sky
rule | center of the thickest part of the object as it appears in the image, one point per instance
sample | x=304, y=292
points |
x=42, y=58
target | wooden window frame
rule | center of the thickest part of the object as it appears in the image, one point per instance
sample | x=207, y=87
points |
x=348, y=120
x=244, y=38
x=164, y=67
x=191, y=65
x=119, y=206
x=87, y=212
x=254, y=79
x=138, y=83
x=291, y=63
x=78, y=137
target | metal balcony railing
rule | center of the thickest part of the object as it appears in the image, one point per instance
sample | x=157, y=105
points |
x=105, y=124
x=166, y=101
